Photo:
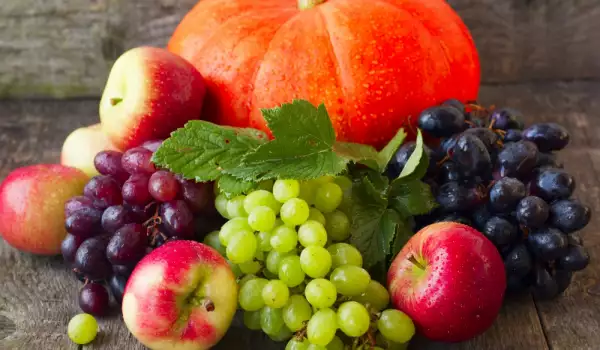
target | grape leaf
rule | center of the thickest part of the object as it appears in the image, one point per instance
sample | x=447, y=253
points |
x=414, y=197
x=358, y=153
x=203, y=151
x=417, y=164
x=232, y=186
x=403, y=234
x=386, y=154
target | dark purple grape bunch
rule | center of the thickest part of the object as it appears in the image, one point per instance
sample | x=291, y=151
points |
x=129, y=209
x=492, y=173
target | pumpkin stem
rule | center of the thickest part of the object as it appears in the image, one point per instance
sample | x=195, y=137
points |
x=308, y=4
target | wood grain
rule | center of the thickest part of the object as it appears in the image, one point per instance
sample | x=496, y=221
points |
x=65, y=48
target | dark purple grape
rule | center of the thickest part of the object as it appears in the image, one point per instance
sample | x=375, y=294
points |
x=480, y=216
x=163, y=186
x=90, y=259
x=532, y=212
x=122, y=270
x=517, y=159
x=69, y=247
x=104, y=191
x=135, y=190
x=547, y=244
x=576, y=259
x=563, y=279
x=128, y=245
x=117, y=287
x=516, y=284
x=84, y=223
x=401, y=157
x=470, y=154
x=442, y=121
x=449, y=172
x=448, y=143
x=152, y=145
x=454, y=217
x=138, y=161
x=177, y=218
x=116, y=216
x=574, y=239
x=518, y=261
x=94, y=299
x=500, y=231
x=505, y=194
x=140, y=213
x=548, y=160
x=513, y=135
x=569, y=215
x=454, y=103
x=486, y=135
x=109, y=163
x=547, y=136
x=454, y=197
x=544, y=285
x=199, y=196
x=552, y=184
x=506, y=118
x=77, y=203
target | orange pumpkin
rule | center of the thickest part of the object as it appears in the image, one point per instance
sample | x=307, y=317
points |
x=374, y=63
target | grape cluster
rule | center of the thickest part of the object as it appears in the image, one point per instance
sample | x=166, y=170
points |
x=125, y=212
x=300, y=281
x=493, y=174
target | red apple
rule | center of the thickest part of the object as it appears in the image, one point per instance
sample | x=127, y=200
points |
x=149, y=93
x=32, y=202
x=82, y=145
x=182, y=296
x=450, y=280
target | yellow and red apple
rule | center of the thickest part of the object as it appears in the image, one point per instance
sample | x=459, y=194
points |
x=181, y=296
x=150, y=92
x=82, y=145
x=32, y=202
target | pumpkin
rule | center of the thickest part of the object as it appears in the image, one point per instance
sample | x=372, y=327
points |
x=375, y=64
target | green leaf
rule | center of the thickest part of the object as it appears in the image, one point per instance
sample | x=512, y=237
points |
x=414, y=197
x=386, y=154
x=232, y=186
x=403, y=234
x=417, y=163
x=360, y=154
x=371, y=231
x=203, y=151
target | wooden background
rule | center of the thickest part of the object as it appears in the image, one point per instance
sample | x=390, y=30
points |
x=64, y=48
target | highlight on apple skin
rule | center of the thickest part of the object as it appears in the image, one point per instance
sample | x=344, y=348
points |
x=82, y=145
x=150, y=92
x=449, y=278
x=32, y=201
x=181, y=296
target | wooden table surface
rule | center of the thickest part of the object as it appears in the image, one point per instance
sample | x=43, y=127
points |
x=38, y=295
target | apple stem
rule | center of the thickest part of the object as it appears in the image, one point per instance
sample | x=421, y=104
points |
x=414, y=261
x=115, y=101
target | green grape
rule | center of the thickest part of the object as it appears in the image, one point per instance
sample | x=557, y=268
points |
x=252, y=320
x=387, y=344
x=284, y=190
x=324, y=179
x=269, y=275
x=344, y=182
x=328, y=197
x=242, y=247
x=266, y=185
x=350, y=280
x=316, y=215
x=312, y=233
x=221, y=205
x=376, y=296
x=335, y=344
x=299, y=289
x=259, y=255
x=396, y=326
x=262, y=218
x=308, y=188
x=295, y=344
x=232, y=227
x=245, y=279
x=82, y=329
x=250, y=297
x=274, y=259
x=261, y=198
x=264, y=241
x=338, y=225
x=284, y=335
x=271, y=320
x=344, y=254
x=296, y=312
x=322, y=327
x=237, y=272
x=315, y=347
x=353, y=319
x=250, y=267
x=284, y=239
x=290, y=271
x=275, y=294
x=315, y=261
x=235, y=207
x=294, y=212
x=320, y=293
x=212, y=240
